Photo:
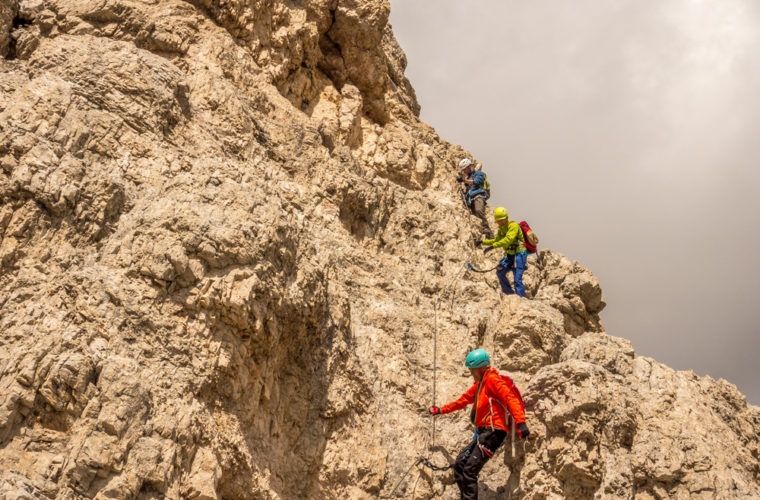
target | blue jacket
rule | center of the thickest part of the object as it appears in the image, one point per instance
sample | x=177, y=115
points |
x=478, y=178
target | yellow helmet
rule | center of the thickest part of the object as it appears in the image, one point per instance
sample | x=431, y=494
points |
x=500, y=213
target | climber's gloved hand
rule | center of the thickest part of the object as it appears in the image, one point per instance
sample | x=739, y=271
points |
x=487, y=249
x=460, y=179
x=523, y=430
x=434, y=410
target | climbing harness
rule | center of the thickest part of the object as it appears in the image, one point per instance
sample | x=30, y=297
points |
x=485, y=451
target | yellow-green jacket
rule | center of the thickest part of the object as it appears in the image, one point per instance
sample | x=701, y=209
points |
x=509, y=237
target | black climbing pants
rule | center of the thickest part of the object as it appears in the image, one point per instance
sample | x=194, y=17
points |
x=469, y=462
x=478, y=208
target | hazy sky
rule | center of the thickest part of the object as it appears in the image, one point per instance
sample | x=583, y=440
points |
x=627, y=132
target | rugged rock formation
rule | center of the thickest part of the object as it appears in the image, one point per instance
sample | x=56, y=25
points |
x=225, y=238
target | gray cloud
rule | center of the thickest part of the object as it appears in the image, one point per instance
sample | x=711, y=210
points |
x=626, y=132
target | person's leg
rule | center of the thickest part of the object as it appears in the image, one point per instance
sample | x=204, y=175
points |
x=479, y=209
x=520, y=264
x=460, y=462
x=489, y=443
x=501, y=273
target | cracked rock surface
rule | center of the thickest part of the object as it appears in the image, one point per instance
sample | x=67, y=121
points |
x=226, y=242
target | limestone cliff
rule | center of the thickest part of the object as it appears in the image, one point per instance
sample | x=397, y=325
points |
x=226, y=241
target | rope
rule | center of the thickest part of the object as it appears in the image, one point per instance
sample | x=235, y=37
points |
x=401, y=480
x=472, y=268
x=420, y=461
x=416, y=481
x=390, y=495
x=435, y=362
x=431, y=436
x=513, y=436
x=441, y=295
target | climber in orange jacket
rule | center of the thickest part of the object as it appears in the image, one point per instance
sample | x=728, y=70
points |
x=491, y=397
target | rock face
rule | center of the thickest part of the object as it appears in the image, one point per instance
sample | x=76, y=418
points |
x=226, y=244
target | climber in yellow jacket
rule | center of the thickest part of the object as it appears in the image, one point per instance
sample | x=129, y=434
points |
x=510, y=237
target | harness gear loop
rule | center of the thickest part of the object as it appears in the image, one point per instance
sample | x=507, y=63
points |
x=485, y=450
x=490, y=411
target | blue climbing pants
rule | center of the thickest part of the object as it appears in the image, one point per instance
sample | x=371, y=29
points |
x=516, y=264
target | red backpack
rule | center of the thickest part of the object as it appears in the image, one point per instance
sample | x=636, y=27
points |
x=515, y=391
x=531, y=239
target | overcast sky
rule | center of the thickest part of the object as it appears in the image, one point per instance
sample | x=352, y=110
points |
x=627, y=132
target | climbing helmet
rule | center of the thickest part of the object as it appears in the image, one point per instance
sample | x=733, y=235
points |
x=500, y=213
x=464, y=163
x=477, y=358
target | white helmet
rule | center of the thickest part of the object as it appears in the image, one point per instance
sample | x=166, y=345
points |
x=464, y=163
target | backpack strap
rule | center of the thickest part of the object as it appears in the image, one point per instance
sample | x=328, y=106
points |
x=516, y=392
x=519, y=241
x=490, y=409
x=512, y=432
x=474, y=413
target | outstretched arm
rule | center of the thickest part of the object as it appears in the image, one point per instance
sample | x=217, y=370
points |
x=465, y=399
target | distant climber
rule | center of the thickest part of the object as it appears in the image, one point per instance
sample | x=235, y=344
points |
x=491, y=394
x=510, y=237
x=476, y=193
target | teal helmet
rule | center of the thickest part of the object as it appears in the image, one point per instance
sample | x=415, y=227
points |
x=477, y=358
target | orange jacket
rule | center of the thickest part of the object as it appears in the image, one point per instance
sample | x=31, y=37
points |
x=489, y=412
